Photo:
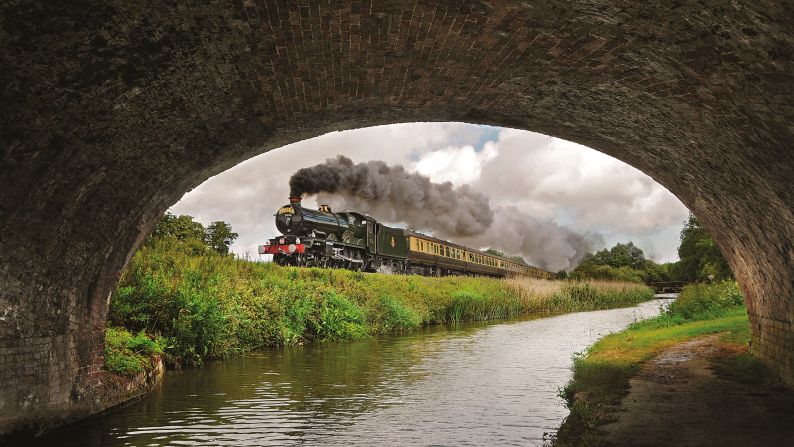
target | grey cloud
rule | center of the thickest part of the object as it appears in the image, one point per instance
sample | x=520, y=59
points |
x=594, y=189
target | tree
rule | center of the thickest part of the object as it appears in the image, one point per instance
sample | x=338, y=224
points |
x=700, y=258
x=626, y=255
x=624, y=262
x=192, y=236
x=181, y=228
x=219, y=236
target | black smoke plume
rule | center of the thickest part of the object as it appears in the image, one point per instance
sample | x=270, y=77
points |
x=392, y=194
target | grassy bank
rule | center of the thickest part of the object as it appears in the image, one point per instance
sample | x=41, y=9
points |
x=601, y=374
x=127, y=353
x=210, y=305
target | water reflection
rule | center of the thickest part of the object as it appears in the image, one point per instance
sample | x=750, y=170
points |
x=474, y=384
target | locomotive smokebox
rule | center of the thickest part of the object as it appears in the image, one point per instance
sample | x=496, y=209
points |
x=295, y=200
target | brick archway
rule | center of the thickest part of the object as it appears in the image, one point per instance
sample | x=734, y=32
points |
x=112, y=110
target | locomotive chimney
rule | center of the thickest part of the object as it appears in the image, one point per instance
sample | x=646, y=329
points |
x=295, y=200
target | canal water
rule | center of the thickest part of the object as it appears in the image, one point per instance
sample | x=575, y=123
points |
x=473, y=384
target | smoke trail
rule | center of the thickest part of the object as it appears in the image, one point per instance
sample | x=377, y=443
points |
x=392, y=194
x=462, y=215
x=543, y=243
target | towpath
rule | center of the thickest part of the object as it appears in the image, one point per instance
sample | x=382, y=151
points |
x=679, y=400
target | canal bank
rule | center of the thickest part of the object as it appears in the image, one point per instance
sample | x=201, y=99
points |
x=477, y=383
x=686, y=377
x=209, y=305
x=700, y=393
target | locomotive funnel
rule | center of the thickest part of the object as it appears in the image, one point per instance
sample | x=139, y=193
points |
x=295, y=200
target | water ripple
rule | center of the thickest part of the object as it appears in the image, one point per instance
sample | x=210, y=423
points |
x=480, y=384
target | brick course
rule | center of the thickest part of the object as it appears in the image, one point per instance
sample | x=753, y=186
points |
x=112, y=110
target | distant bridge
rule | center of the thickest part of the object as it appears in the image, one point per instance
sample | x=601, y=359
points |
x=667, y=286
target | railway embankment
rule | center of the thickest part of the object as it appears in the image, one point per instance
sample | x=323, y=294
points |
x=686, y=377
x=195, y=305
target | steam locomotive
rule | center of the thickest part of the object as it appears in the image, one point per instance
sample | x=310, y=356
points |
x=356, y=241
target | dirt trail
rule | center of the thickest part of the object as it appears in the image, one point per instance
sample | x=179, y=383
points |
x=678, y=400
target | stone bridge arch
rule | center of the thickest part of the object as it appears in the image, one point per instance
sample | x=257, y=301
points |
x=112, y=110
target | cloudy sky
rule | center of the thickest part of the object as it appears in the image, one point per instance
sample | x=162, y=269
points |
x=566, y=192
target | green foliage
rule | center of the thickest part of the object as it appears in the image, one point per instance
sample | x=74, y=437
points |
x=338, y=319
x=702, y=301
x=128, y=354
x=605, y=272
x=700, y=257
x=623, y=262
x=181, y=228
x=207, y=305
x=397, y=316
x=468, y=304
x=219, y=236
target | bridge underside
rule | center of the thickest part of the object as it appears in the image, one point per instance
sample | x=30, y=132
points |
x=112, y=110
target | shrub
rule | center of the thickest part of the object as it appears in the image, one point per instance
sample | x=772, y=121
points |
x=126, y=353
x=339, y=319
x=397, y=316
x=701, y=301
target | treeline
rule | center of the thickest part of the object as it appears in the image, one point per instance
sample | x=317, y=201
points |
x=700, y=259
x=217, y=236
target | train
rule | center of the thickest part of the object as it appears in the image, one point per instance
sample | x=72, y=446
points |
x=355, y=241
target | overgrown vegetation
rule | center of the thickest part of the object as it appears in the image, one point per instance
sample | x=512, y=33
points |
x=127, y=353
x=601, y=374
x=218, y=236
x=623, y=262
x=205, y=304
x=700, y=260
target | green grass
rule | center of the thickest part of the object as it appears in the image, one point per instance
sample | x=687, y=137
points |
x=601, y=374
x=208, y=305
x=127, y=353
